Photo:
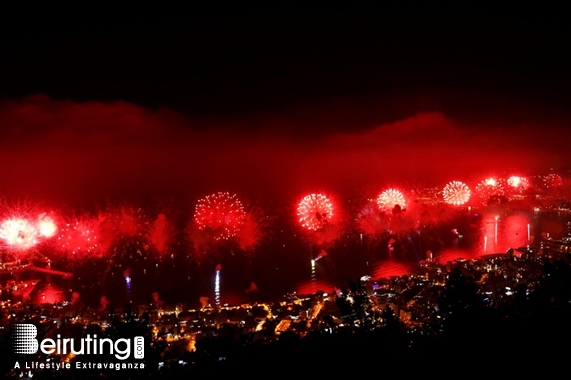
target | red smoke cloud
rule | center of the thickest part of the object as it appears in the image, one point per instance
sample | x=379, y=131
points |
x=82, y=152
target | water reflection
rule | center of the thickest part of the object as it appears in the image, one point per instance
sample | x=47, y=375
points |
x=499, y=232
x=471, y=238
x=381, y=255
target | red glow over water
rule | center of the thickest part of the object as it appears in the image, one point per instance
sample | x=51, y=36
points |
x=387, y=269
x=454, y=254
x=310, y=287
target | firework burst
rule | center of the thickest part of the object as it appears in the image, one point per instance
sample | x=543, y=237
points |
x=23, y=226
x=518, y=182
x=122, y=223
x=552, y=181
x=390, y=198
x=47, y=226
x=488, y=189
x=19, y=233
x=456, y=193
x=516, y=185
x=256, y=224
x=79, y=237
x=315, y=211
x=220, y=215
x=124, y=239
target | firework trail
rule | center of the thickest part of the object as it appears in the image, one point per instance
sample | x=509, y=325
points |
x=217, y=285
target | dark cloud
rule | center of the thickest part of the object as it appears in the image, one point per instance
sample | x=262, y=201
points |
x=74, y=152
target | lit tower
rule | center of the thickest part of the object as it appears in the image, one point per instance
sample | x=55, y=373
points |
x=313, y=271
x=127, y=275
x=217, y=285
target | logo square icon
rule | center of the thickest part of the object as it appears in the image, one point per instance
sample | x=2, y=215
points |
x=24, y=338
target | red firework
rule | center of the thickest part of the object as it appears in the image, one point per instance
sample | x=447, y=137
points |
x=159, y=234
x=123, y=222
x=314, y=211
x=390, y=198
x=516, y=185
x=250, y=234
x=553, y=181
x=456, y=193
x=517, y=182
x=79, y=237
x=488, y=188
x=370, y=220
x=220, y=214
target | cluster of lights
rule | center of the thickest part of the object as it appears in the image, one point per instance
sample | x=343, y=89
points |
x=314, y=211
x=221, y=214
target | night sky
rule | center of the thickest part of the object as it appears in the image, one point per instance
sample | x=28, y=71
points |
x=124, y=103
